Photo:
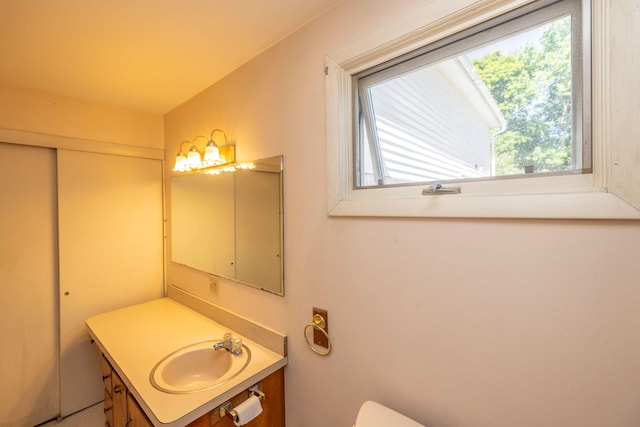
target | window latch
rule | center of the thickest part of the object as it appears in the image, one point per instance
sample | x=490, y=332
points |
x=438, y=188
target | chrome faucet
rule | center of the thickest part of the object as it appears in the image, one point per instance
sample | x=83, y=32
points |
x=232, y=345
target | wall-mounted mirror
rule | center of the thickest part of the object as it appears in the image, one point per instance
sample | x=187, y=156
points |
x=230, y=224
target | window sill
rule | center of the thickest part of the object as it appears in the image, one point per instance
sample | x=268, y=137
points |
x=584, y=205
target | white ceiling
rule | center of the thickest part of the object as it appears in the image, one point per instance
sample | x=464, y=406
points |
x=148, y=55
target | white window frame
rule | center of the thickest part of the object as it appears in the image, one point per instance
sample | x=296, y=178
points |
x=565, y=196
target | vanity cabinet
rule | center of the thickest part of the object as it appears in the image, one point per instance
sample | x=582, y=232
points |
x=137, y=418
x=122, y=410
x=272, y=406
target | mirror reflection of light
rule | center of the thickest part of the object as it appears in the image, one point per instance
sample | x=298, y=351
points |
x=231, y=168
x=246, y=166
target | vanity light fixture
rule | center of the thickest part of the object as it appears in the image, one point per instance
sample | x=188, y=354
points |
x=210, y=156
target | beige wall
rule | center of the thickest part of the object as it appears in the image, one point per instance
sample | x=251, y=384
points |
x=453, y=322
x=37, y=112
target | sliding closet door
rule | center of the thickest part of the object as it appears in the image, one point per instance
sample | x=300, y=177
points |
x=111, y=255
x=28, y=285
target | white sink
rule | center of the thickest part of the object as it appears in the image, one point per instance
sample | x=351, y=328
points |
x=197, y=367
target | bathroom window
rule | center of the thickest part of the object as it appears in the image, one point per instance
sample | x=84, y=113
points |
x=422, y=119
x=505, y=98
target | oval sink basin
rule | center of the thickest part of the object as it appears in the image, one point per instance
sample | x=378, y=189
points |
x=197, y=367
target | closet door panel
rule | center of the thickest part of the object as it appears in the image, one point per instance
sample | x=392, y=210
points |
x=28, y=282
x=111, y=255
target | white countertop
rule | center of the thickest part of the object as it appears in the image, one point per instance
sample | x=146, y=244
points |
x=135, y=338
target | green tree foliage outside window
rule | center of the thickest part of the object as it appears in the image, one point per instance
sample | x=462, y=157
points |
x=532, y=87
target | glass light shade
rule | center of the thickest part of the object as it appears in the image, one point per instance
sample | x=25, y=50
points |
x=181, y=163
x=193, y=158
x=212, y=154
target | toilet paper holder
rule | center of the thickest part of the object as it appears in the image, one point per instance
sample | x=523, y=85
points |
x=226, y=409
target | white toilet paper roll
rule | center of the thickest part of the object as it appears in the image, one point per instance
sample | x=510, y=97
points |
x=248, y=410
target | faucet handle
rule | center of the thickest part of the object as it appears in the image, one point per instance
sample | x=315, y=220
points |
x=236, y=346
x=228, y=337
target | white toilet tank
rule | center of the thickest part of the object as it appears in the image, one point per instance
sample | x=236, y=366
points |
x=373, y=414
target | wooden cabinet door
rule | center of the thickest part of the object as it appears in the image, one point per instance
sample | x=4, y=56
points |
x=119, y=393
x=108, y=409
x=137, y=418
x=107, y=371
x=272, y=407
x=106, y=375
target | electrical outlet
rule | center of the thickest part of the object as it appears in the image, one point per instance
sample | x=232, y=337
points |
x=319, y=338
